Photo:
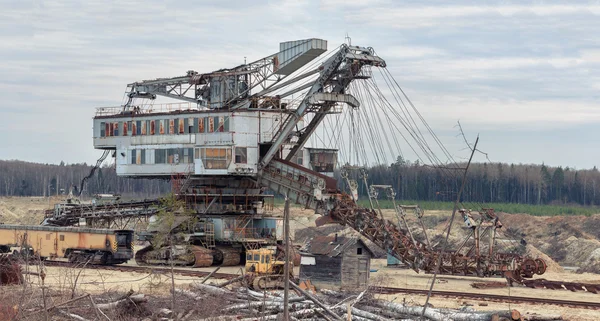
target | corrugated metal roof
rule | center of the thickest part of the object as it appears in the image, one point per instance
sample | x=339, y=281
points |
x=328, y=245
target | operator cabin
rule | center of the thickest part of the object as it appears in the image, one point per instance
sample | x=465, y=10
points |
x=336, y=262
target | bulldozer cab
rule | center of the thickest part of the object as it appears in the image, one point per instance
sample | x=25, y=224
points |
x=262, y=261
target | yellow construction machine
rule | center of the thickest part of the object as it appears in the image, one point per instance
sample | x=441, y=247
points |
x=264, y=270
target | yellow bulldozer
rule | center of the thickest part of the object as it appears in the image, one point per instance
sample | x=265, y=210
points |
x=264, y=270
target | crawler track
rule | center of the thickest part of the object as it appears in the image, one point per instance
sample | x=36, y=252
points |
x=144, y=269
x=492, y=297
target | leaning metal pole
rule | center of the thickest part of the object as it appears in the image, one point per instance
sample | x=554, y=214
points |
x=441, y=254
x=286, y=269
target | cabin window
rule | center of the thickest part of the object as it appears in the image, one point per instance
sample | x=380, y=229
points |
x=138, y=127
x=201, y=125
x=249, y=257
x=133, y=156
x=159, y=156
x=211, y=124
x=181, y=126
x=359, y=251
x=62, y=237
x=262, y=259
x=143, y=156
x=256, y=257
x=220, y=123
x=215, y=158
x=173, y=156
x=126, y=126
x=241, y=155
x=152, y=128
x=115, y=129
x=268, y=259
x=171, y=126
x=102, y=129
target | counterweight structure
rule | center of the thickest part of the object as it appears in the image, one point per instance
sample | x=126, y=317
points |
x=241, y=131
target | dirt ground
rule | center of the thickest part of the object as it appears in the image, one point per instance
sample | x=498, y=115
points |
x=578, y=236
x=101, y=281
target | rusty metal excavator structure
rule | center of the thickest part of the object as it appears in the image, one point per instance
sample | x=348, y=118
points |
x=279, y=124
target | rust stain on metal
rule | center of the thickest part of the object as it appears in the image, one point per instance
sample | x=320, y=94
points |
x=201, y=125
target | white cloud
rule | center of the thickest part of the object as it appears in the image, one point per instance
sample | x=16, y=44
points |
x=60, y=59
x=426, y=16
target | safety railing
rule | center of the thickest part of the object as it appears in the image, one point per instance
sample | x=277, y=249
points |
x=148, y=109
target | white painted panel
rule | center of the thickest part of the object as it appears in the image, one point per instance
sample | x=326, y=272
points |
x=308, y=260
x=163, y=139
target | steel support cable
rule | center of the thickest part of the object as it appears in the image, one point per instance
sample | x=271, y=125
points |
x=435, y=137
x=400, y=103
x=419, y=138
x=393, y=125
x=369, y=128
x=371, y=109
x=417, y=133
x=386, y=104
x=406, y=126
x=433, y=159
x=341, y=128
x=389, y=125
x=375, y=108
x=411, y=125
x=369, y=134
x=360, y=144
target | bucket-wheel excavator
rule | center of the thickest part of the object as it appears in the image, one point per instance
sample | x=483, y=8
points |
x=240, y=132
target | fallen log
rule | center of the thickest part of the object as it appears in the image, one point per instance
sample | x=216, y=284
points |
x=138, y=298
x=315, y=300
x=210, y=275
x=296, y=314
x=188, y=293
x=224, y=284
x=364, y=314
x=210, y=289
x=536, y=317
x=382, y=312
x=59, y=305
x=72, y=316
x=446, y=314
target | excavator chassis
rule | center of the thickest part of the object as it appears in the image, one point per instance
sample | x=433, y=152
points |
x=195, y=256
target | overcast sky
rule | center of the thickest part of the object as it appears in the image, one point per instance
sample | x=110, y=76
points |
x=524, y=75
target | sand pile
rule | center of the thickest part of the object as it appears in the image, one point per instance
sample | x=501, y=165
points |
x=552, y=266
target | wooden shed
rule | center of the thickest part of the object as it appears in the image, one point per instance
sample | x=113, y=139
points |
x=336, y=263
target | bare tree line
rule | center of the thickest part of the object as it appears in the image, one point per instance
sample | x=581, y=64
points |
x=490, y=182
x=19, y=178
x=487, y=182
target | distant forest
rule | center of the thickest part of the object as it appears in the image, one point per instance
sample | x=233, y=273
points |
x=18, y=178
x=486, y=182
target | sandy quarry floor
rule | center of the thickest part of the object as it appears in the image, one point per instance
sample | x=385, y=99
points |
x=30, y=211
x=99, y=281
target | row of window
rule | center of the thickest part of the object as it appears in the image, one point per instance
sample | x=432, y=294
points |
x=212, y=158
x=165, y=126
